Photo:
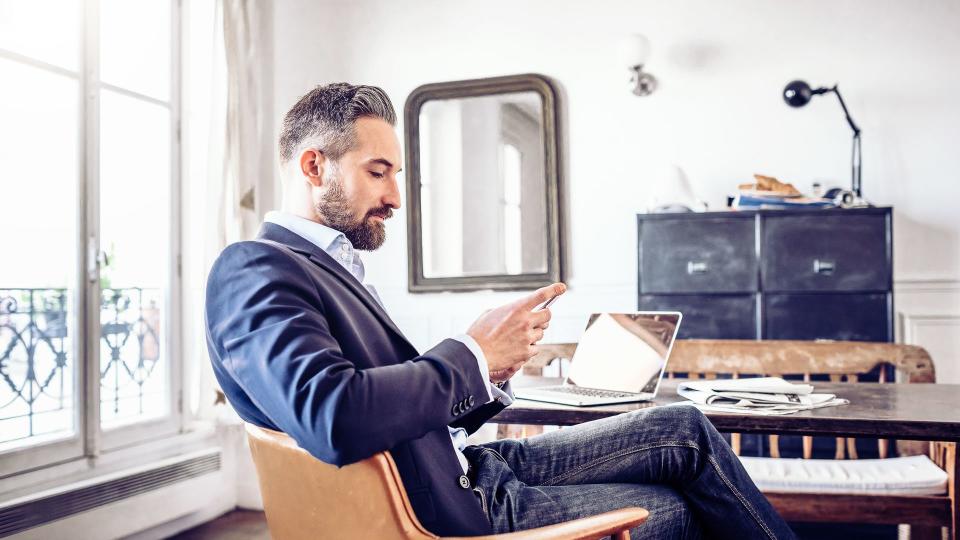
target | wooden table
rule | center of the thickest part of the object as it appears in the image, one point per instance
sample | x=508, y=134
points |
x=924, y=412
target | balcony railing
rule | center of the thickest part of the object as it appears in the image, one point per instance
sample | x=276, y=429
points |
x=37, y=367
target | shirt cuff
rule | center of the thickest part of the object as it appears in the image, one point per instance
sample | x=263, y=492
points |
x=481, y=364
x=503, y=394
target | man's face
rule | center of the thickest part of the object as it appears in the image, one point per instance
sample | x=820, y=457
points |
x=361, y=187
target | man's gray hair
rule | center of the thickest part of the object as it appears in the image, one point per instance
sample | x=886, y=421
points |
x=324, y=119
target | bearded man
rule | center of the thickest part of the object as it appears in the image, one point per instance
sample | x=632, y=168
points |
x=301, y=344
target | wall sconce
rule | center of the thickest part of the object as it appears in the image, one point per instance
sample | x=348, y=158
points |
x=634, y=52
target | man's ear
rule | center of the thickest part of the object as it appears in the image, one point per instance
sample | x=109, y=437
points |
x=312, y=163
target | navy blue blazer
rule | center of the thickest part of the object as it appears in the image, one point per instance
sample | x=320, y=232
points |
x=300, y=346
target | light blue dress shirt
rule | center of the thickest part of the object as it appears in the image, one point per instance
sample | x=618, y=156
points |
x=336, y=244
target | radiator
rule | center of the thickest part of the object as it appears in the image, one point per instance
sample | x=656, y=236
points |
x=25, y=513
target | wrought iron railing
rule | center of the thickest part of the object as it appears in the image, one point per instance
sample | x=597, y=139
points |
x=36, y=355
x=129, y=347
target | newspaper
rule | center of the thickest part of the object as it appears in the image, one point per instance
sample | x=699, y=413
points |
x=760, y=396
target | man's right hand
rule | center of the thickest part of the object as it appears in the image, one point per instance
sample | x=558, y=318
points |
x=508, y=334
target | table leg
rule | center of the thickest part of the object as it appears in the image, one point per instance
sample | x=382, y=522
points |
x=953, y=467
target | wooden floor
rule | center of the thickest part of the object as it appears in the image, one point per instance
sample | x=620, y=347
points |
x=236, y=525
x=249, y=525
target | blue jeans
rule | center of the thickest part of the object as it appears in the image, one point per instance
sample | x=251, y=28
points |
x=669, y=460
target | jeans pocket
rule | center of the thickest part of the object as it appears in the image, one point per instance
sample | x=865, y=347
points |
x=495, y=454
x=483, y=504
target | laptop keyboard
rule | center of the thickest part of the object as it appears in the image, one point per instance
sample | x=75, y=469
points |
x=592, y=392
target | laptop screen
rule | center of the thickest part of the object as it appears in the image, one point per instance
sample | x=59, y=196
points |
x=626, y=352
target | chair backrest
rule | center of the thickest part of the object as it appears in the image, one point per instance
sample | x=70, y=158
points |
x=840, y=360
x=304, y=497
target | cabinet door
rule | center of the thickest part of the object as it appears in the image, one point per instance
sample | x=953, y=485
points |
x=692, y=255
x=853, y=317
x=708, y=316
x=825, y=253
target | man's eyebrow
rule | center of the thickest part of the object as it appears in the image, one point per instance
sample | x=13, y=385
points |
x=383, y=162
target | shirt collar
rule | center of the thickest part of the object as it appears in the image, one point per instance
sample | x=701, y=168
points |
x=331, y=241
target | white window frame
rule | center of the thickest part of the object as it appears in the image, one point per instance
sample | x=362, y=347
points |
x=90, y=441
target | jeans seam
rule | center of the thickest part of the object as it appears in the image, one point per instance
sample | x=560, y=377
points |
x=590, y=465
x=478, y=491
x=676, y=444
x=495, y=454
x=483, y=505
x=740, y=497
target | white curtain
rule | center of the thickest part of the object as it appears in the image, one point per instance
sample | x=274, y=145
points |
x=247, y=155
x=228, y=160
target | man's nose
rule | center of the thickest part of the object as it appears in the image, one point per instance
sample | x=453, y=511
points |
x=392, y=198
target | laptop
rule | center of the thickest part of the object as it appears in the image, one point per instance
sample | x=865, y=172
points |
x=621, y=358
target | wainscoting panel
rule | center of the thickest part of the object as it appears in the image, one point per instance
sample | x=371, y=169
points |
x=940, y=336
x=928, y=315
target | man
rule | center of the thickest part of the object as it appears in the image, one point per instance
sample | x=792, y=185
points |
x=300, y=344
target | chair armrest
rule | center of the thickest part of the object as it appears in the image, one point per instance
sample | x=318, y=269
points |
x=587, y=528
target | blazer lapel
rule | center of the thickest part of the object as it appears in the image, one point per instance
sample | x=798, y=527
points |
x=276, y=233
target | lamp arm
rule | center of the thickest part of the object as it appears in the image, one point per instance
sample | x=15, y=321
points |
x=853, y=125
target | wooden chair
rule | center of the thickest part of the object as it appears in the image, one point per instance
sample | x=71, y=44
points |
x=842, y=362
x=306, y=498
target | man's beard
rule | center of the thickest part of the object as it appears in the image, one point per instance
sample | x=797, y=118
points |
x=335, y=211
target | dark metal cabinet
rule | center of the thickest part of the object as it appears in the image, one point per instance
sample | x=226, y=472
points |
x=712, y=255
x=733, y=316
x=774, y=274
x=841, y=253
x=847, y=317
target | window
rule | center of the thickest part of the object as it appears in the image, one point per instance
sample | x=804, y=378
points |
x=90, y=241
x=511, y=172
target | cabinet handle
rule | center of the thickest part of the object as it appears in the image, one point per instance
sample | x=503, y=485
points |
x=823, y=267
x=696, y=267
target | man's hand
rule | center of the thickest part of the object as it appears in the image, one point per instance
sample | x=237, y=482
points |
x=508, y=334
x=504, y=375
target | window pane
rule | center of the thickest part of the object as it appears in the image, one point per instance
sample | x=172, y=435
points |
x=46, y=30
x=134, y=227
x=38, y=213
x=511, y=170
x=135, y=45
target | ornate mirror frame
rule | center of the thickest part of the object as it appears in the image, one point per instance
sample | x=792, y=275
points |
x=545, y=88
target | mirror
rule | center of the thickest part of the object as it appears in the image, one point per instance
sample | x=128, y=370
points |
x=483, y=185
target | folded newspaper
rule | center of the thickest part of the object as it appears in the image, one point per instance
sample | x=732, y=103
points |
x=761, y=395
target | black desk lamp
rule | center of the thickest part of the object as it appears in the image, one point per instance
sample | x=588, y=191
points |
x=799, y=93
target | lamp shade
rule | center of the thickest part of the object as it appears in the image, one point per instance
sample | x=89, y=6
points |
x=634, y=50
x=797, y=93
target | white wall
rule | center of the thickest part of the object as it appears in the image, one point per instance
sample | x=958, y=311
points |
x=717, y=114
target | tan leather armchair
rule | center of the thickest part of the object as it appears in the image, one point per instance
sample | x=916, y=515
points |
x=306, y=498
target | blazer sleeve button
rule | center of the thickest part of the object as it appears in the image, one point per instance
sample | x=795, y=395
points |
x=456, y=410
x=470, y=401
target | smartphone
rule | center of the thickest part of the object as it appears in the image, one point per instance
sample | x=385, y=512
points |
x=546, y=304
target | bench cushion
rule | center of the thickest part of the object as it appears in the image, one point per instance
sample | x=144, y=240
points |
x=910, y=475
